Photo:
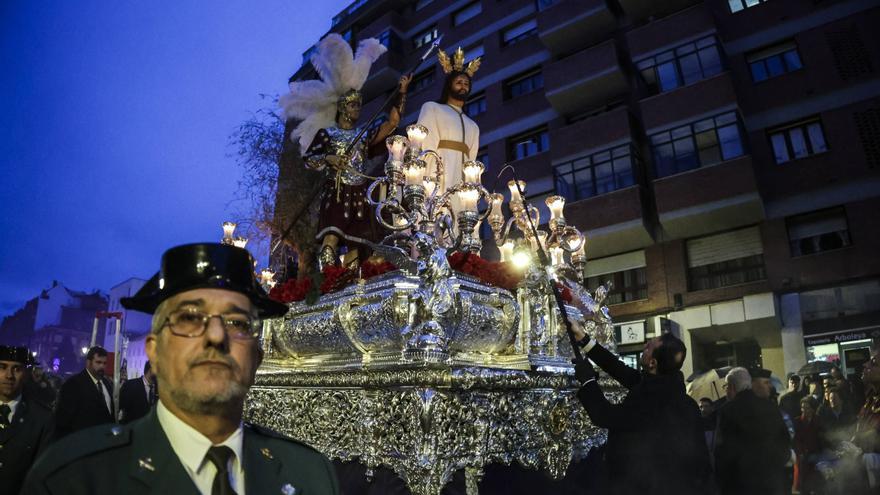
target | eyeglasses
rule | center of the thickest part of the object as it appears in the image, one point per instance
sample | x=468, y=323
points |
x=190, y=323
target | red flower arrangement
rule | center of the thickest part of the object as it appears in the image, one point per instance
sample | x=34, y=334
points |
x=497, y=273
x=331, y=279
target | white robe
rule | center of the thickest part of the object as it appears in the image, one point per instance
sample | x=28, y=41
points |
x=443, y=123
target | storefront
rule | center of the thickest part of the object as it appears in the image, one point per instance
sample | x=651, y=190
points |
x=850, y=347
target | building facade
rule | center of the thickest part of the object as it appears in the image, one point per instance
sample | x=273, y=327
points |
x=133, y=327
x=722, y=156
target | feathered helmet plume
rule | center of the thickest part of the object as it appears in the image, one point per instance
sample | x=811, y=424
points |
x=340, y=71
x=457, y=63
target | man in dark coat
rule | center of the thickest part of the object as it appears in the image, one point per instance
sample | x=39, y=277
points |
x=204, y=346
x=86, y=399
x=752, y=445
x=25, y=424
x=137, y=396
x=655, y=442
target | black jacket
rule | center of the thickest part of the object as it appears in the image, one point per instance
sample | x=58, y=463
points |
x=133, y=402
x=80, y=405
x=752, y=446
x=655, y=442
x=20, y=443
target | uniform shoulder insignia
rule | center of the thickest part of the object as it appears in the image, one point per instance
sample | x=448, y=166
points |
x=262, y=430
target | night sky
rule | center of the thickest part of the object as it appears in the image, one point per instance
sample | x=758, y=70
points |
x=116, y=119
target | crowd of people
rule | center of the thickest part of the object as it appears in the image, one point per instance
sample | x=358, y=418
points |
x=822, y=436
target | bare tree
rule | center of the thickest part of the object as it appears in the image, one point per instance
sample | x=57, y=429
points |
x=276, y=189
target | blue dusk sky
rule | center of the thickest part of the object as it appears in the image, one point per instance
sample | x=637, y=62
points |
x=116, y=119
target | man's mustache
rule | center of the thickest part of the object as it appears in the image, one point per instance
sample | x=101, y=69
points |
x=212, y=356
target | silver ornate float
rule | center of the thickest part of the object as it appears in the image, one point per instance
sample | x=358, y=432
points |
x=428, y=371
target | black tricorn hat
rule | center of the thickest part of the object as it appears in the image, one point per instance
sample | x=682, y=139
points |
x=204, y=266
x=18, y=354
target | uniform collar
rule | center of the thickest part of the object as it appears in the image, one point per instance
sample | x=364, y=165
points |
x=190, y=445
x=13, y=404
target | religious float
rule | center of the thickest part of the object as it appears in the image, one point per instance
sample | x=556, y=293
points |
x=438, y=360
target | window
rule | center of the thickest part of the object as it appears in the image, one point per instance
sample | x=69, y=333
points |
x=473, y=52
x=722, y=260
x=307, y=55
x=798, y=141
x=519, y=32
x=697, y=145
x=544, y=4
x=595, y=174
x=625, y=271
x=422, y=81
x=818, y=231
x=475, y=105
x=628, y=285
x=774, y=61
x=737, y=5
x=467, y=13
x=348, y=36
x=425, y=37
x=389, y=39
x=681, y=66
x=528, y=144
x=523, y=84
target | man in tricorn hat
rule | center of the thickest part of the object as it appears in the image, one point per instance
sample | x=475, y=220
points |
x=204, y=347
x=25, y=425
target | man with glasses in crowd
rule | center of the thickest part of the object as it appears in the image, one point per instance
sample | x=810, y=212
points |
x=204, y=348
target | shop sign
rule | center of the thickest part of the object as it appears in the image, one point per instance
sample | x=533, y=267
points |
x=836, y=338
x=630, y=333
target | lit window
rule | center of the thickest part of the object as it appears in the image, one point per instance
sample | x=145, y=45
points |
x=722, y=260
x=626, y=286
x=738, y=5
x=425, y=37
x=798, y=141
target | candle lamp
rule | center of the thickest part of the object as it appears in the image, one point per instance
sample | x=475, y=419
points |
x=557, y=221
x=468, y=198
x=473, y=170
x=515, y=196
x=506, y=250
x=557, y=257
x=228, y=230
x=240, y=242
x=396, y=148
x=416, y=133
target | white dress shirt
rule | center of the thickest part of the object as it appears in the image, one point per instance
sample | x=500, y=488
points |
x=12, y=405
x=191, y=448
x=107, y=399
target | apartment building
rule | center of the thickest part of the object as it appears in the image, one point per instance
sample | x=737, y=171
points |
x=722, y=156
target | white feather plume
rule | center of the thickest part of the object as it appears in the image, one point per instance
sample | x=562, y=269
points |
x=314, y=102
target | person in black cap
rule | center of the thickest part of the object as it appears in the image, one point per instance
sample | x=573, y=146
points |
x=25, y=425
x=761, y=385
x=204, y=347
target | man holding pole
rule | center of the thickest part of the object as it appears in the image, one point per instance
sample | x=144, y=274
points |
x=86, y=399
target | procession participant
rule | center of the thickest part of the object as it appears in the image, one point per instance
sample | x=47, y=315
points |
x=25, y=424
x=752, y=444
x=451, y=133
x=137, y=397
x=655, y=441
x=329, y=109
x=204, y=347
x=85, y=399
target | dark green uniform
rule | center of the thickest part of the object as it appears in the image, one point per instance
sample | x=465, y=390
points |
x=138, y=459
x=20, y=442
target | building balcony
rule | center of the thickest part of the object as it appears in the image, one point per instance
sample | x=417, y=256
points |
x=639, y=9
x=572, y=24
x=709, y=199
x=688, y=102
x=613, y=222
x=591, y=134
x=384, y=74
x=667, y=32
x=586, y=79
